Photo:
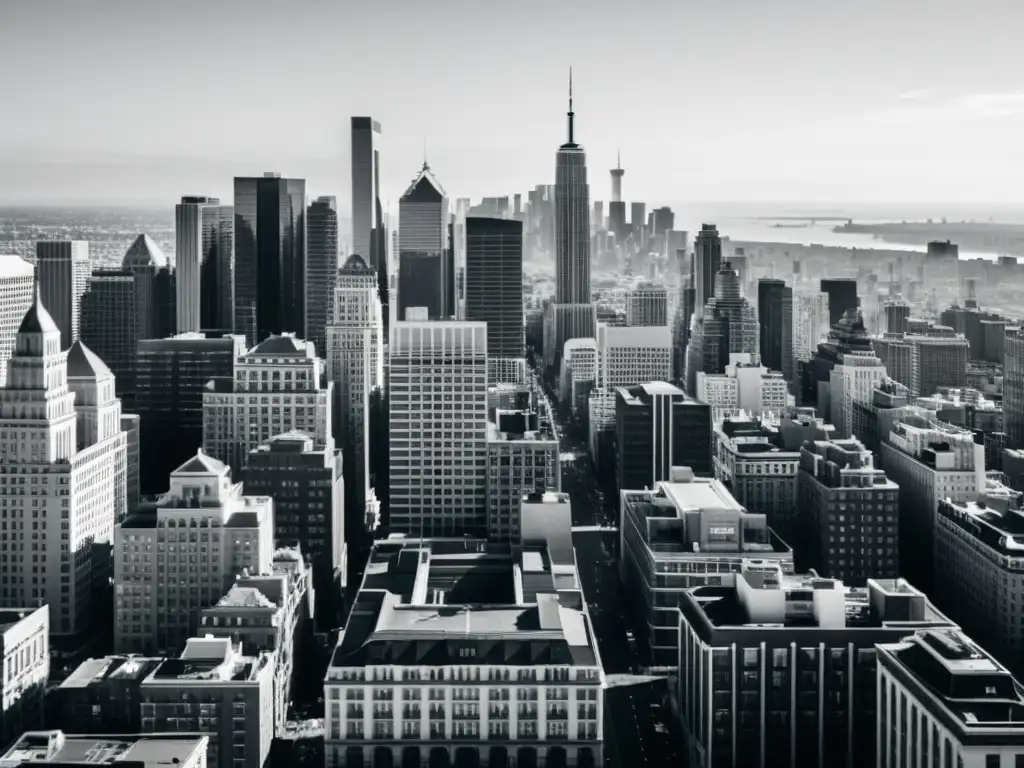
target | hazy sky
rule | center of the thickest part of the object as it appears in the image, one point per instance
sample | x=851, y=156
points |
x=121, y=101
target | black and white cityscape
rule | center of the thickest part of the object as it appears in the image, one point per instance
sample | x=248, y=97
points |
x=574, y=474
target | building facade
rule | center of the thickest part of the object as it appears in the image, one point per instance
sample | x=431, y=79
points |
x=17, y=281
x=322, y=251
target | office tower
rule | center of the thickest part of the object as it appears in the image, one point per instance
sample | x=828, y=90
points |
x=775, y=317
x=842, y=296
x=170, y=377
x=424, y=278
x=1013, y=388
x=897, y=316
x=270, y=257
x=573, y=315
x=638, y=215
x=522, y=458
x=438, y=468
x=278, y=387
x=840, y=489
x=494, y=293
x=629, y=356
x=204, y=264
x=578, y=374
x=355, y=366
x=617, y=173
x=897, y=355
x=849, y=334
x=17, y=281
x=975, y=573
x=664, y=221
x=155, y=283
x=686, y=532
x=758, y=459
x=993, y=340
x=707, y=261
x=938, y=677
x=745, y=387
x=647, y=304
x=852, y=380
x=25, y=668
x=130, y=425
x=725, y=325
x=60, y=422
x=681, y=331
x=940, y=272
x=62, y=271
x=321, y=268
x=810, y=324
x=57, y=748
x=308, y=490
x=940, y=360
x=809, y=644
x=873, y=420
x=597, y=216
x=206, y=519
x=658, y=427
x=500, y=603
x=369, y=234
x=929, y=461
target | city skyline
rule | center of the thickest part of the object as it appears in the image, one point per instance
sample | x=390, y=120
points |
x=771, y=128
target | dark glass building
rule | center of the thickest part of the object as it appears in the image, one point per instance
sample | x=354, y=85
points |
x=270, y=257
x=707, y=260
x=842, y=296
x=775, y=317
x=321, y=266
x=494, y=283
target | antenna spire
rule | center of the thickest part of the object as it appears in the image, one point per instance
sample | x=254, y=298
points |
x=572, y=114
x=425, y=166
x=618, y=158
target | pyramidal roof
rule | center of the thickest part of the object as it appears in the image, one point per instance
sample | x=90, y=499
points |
x=285, y=344
x=144, y=253
x=37, y=319
x=424, y=188
x=83, y=363
x=355, y=261
x=201, y=463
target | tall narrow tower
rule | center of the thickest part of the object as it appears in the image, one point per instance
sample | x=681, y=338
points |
x=617, y=173
x=572, y=220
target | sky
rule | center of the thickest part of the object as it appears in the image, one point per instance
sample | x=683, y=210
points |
x=137, y=102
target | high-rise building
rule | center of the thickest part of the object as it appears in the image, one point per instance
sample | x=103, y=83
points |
x=278, y=387
x=664, y=220
x=684, y=533
x=270, y=257
x=25, y=666
x=897, y=316
x=707, y=261
x=519, y=614
x=437, y=413
x=809, y=644
x=638, y=215
x=424, y=270
x=810, y=324
x=775, y=317
x=322, y=250
x=647, y=304
x=17, y=281
x=842, y=296
x=617, y=173
x=1013, y=388
x=897, y=355
x=62, y=271
x=170, y=377
x=204, y=265
x=658, y=427
x=578, y=374
x=130, y=425
x=494, y=293
x=940, y=360
x=840, y=489
x=939, y=678
x=355, y=366
x=851, y=381
x=61, y=425
x=369, y=234
x=745, y=387
x=308, y=490
x=208, y=521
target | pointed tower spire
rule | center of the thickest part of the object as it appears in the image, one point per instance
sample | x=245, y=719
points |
x=618, y=159
x=572, y=114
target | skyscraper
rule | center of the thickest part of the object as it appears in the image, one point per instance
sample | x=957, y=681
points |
x=204, y=264
x=270, y=256
x=647, y=304
x=494, y=293
x=62, y=271
x=17, y=286
x=617, y=173
x=438, y=469
x=369, y=237
x=60, y=425
x=775, y=316
x=707, y=260
x=424, y=278
x=1013, y=388
x=842, y=295
x=321, y=268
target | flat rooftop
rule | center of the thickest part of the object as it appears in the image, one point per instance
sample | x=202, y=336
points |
x=126, y=668
x=11, y=617
x=465, y=601
x=57, y=748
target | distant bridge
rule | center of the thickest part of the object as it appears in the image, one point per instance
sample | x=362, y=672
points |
x=594, y=528
x=813, y=219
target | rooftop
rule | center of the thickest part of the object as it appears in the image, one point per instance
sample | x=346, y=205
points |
x=992, y=521
x=201, y=464
x=144, y=253
x=12, y=616
x=56, y=747
x=37, y=319
x=83, y=363
x=95, y=671
x=209, y=660
x=15, y=266
x=284, y=345
x=464, y=601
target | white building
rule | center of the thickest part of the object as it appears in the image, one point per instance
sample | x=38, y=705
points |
x=438, y=427
x=963, y=707
x=578, y=374
x=57, y=748
x=63, y=270
x=279, y=387
x=810, y=323
x=647, y=305
x=745, y=387
x=71, y=485
x=179, y=555
x=24, y=669
x=203, y=251
x=630, y=356
x=17, y=278
x=457, y=651
x=853, y=380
